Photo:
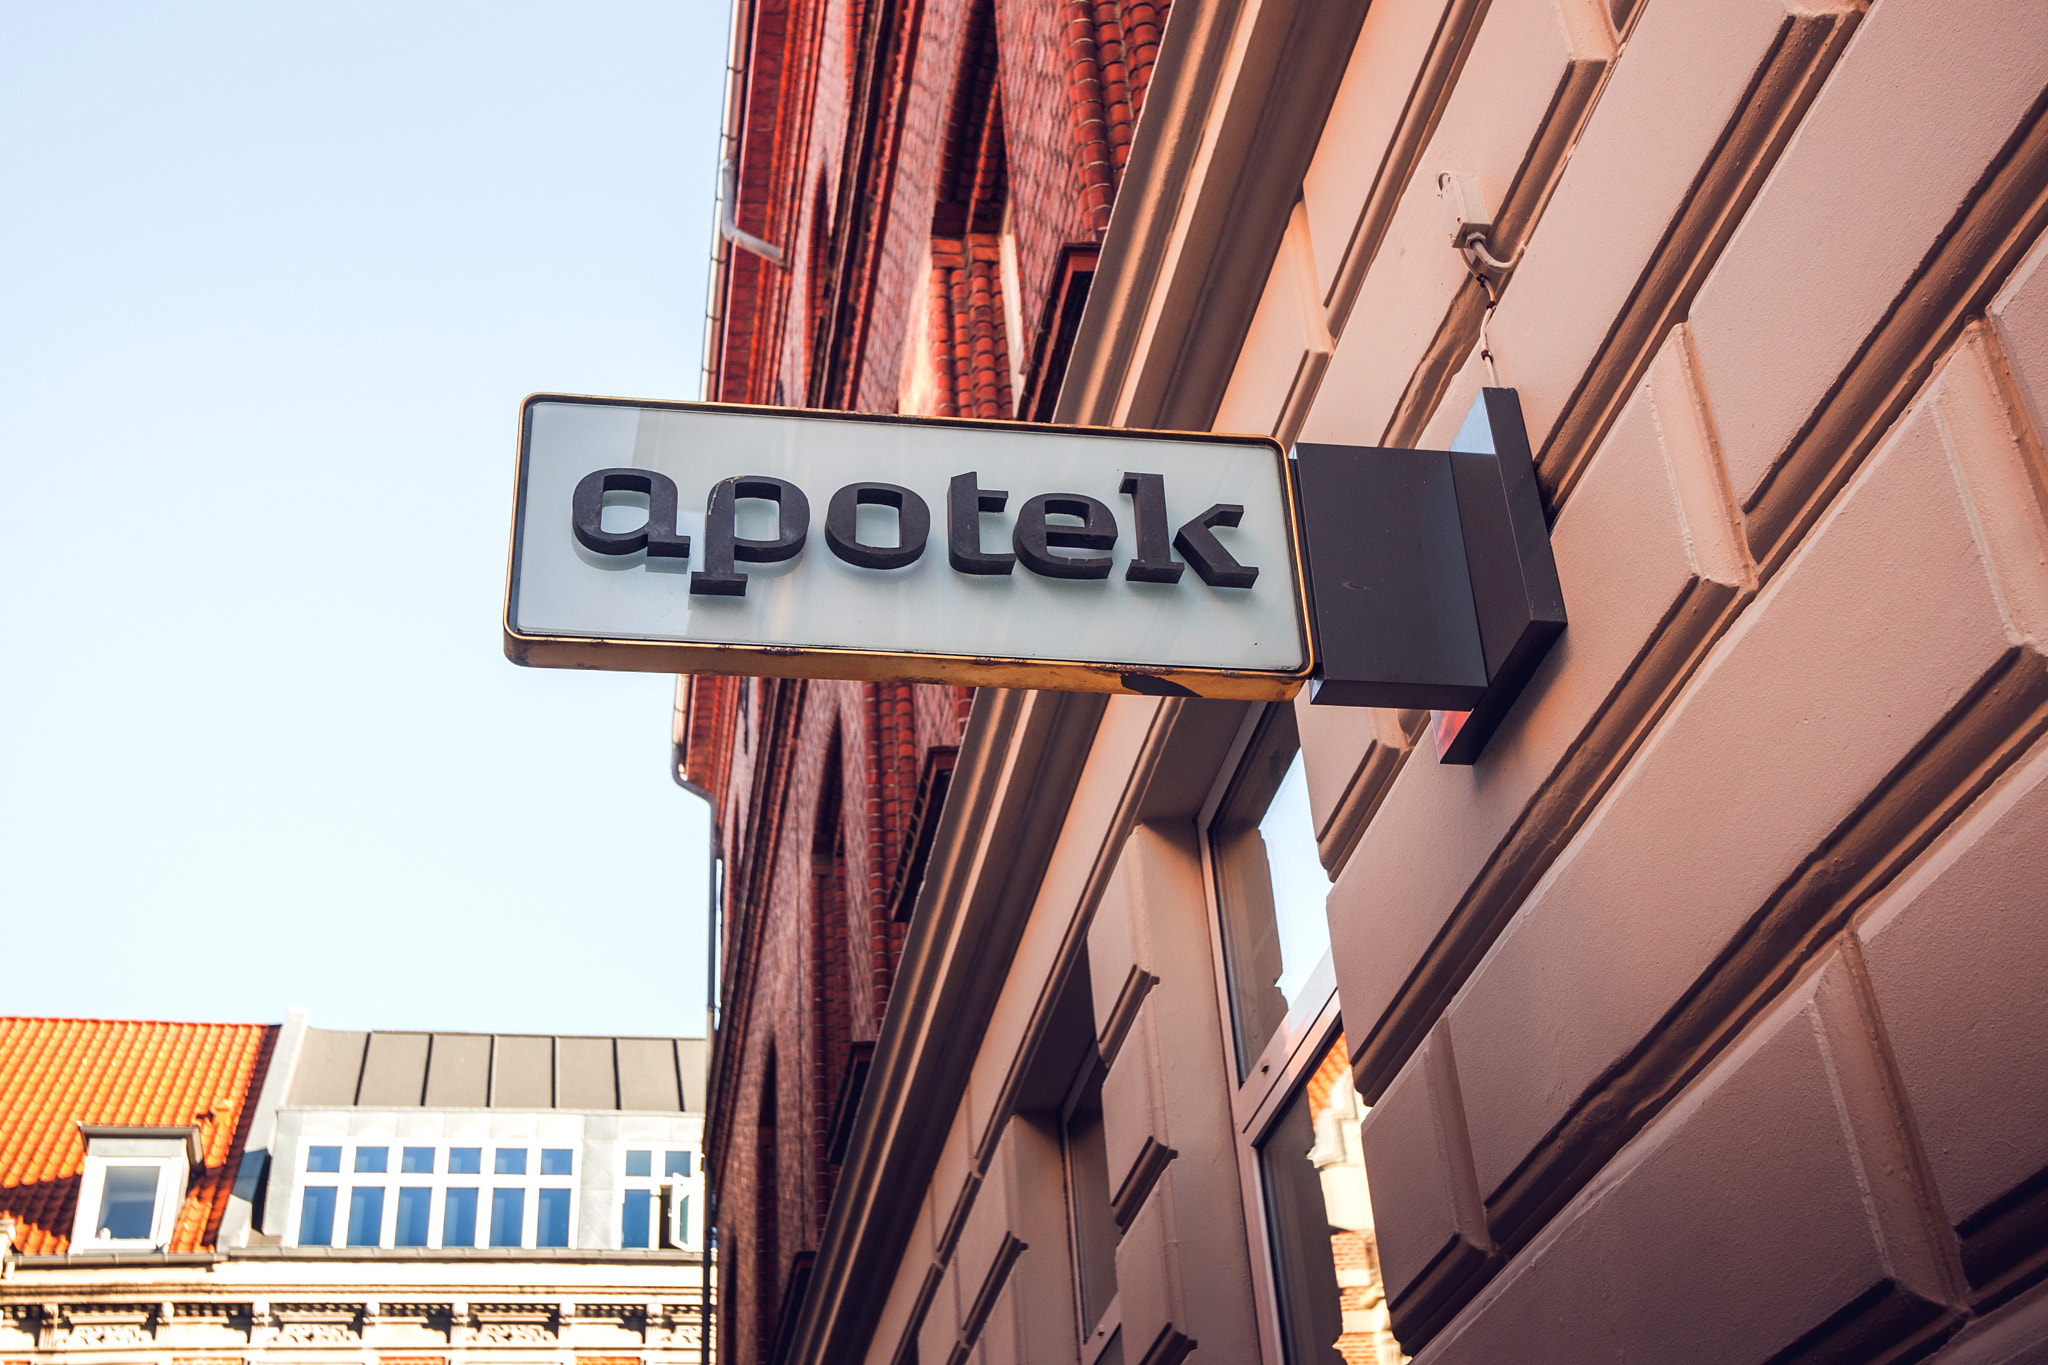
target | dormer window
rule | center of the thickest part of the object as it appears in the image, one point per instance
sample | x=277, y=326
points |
x=132, y=1187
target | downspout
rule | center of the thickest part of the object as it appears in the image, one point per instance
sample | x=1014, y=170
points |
x=680, y=736
x=728, y=218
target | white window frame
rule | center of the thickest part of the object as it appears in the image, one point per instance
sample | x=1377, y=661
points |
x=671, y=1227
x=393, y=1178
x=170, y=1197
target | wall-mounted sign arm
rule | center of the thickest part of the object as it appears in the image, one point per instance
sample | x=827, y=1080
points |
x=1431, y=578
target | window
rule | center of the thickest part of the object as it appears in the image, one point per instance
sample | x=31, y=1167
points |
x=1319, y=1218
x=132, y=1186
x=415, y=1213
x=439, y=1200
x=1307, y=1207
x=508, y=1217
x=552, y=1218
x=1270, y=885
x=636, y=1219
x=128, y=1203
x=655, y=1211
x=458, y=1218
x=316, y=1216
x=1090, y=1215
x=365, y=1216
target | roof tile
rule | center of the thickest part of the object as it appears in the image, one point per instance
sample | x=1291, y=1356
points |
x=58, y=1073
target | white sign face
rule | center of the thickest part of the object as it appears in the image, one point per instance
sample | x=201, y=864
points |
x=843, y=546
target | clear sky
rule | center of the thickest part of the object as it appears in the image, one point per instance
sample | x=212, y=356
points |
x=273, y=280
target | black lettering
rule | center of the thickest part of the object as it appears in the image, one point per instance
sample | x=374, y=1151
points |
x=842, y=525
x=657, y=536
x=723, y=544
x=1034, y=536
x=965, y=502
x=1154, y=563
x=1198, y=546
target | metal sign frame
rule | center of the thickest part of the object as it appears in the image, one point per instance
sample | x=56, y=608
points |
x=838, y=662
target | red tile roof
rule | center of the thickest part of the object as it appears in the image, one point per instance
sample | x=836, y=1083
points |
x=58, y=1073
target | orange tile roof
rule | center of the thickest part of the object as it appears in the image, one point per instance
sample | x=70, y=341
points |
x=58, y=1073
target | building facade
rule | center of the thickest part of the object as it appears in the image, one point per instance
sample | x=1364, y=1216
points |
x=1701, y=1018
x=207, y=1193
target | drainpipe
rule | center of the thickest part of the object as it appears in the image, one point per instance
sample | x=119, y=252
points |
x=728, y=217
x=679, y=743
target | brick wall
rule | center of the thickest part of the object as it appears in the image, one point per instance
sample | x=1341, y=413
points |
x=817, y=799
x=884, y=147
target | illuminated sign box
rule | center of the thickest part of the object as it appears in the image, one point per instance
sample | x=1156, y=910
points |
x=707, y=538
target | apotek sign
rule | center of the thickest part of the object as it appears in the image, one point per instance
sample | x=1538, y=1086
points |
x=685, y=537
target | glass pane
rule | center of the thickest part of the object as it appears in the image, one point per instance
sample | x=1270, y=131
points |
x=465, y=1160
x=508, y=1211
x=511, y=1161
x=1270, y=885
x=1319, y=1216
x=683, y=1221
x=458, y=1218
x=677, y=1163
x=373, y=1159
x=557, y=1161
x=1088, y=1205
x=323, y=1160
x=416, y=1161
x=639, y=1164
x=414, y=1202
x=553, y=1219
x=128, y=1203
x=365, y=1217
x=316, y=1216
x=635, y=1221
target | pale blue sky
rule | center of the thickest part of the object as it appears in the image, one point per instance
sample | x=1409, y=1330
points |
x=273, y=280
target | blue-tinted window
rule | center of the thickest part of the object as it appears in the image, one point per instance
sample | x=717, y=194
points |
x=365, y=1217
x=416, y=1161
x=511, y=1161
x=638, y=1218
x=508, y=1211
x=458, y=1218
x=639, y=1163
x=683, y=1219
x=323, y=1160
x=316, y=1214
x=128, y=1203
x=465, y=1160
x=373, y=1159
x=677, y=1163
x=553, y=1219
x=557, y=1161
x=414, y=1201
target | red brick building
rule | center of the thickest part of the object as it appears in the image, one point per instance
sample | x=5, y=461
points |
x=919, y=193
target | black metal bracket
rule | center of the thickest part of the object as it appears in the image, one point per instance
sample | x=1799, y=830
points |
x=1431, y=579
